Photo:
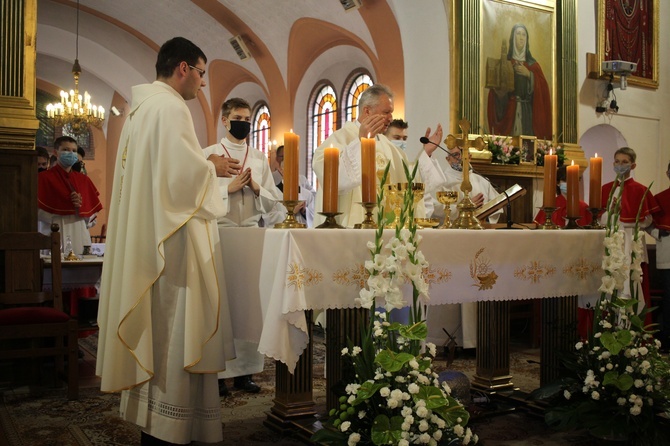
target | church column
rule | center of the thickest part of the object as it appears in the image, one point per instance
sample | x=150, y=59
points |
x=18, y=124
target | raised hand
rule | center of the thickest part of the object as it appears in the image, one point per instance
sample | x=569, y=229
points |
x=372, y=125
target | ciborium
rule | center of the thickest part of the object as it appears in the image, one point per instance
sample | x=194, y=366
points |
x=447, y=198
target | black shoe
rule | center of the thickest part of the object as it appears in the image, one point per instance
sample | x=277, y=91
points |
x=245, y=383
x=148, y=440
x=223, y=389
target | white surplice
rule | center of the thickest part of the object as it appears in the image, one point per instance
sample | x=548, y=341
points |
x=244, y=209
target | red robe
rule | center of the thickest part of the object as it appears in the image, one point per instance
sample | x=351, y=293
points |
x=542, y=127
x=662, y=218
x=560, y=214
x=631, y=199
x=54, y=187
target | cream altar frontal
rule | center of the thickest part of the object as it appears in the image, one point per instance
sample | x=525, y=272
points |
x=274, y=275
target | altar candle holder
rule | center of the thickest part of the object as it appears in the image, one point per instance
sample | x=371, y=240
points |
x=368, y=222
x=572, y=223
x=595, y=224
x=290, y=221
x=548, y=224
x=330, y=222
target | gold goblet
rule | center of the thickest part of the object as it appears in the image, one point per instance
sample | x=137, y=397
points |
x=394, y=198
x=447, y=198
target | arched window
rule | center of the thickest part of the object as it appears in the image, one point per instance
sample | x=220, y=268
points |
x=357, y=83
x=260, y=128
x=323, y=118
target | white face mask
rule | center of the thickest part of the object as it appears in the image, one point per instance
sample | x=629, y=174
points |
x=399, y=143
x=564, y=188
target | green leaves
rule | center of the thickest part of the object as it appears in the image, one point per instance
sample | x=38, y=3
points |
x=385, y=430
x=621, y=382
x=392, y=361
x=615, y=341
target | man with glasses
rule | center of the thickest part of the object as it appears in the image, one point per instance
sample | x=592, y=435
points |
x=165, y=329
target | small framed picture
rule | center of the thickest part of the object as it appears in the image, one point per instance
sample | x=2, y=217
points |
x=527, y=149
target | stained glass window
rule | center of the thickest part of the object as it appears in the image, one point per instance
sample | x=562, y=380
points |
x=359, y=82
x=323, y=117
x=260, y=129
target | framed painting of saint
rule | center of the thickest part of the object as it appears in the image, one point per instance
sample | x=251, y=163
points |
x=517, y=59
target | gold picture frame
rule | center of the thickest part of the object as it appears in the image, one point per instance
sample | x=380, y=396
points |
x=647, y=33
x=481, y=31
x=526, y=145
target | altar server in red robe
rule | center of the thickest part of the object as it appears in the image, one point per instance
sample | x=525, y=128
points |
x=67, y=197
x=559, y=217
x=661, y=232
x=632, y=197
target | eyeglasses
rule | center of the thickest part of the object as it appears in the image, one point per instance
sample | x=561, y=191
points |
x=199, y=70
x=456, y=154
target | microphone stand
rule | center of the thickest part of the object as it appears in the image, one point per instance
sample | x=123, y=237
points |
x=508, y=209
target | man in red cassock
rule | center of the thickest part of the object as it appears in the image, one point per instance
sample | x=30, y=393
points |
x=66, y=197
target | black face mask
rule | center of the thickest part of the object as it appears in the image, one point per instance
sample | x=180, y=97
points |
x=40, y=169
x=77, y=166
x=240, y=129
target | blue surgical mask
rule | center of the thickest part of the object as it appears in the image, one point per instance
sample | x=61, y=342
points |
x=564, y=188
x=67, y=159
x=622, y=169
x=399, y=143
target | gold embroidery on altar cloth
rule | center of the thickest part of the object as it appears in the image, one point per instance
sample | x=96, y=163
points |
x=356, y=275
x=534, y=271
x=481, y=272
x=581, y=269
x=298, y=276
x=436, y=275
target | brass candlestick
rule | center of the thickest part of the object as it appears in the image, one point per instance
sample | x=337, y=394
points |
x=447, y=198
x=368, y=222
x=330, y=222
x=572, y=223
x=548, y=224
x=290, y=221
x=595, y=224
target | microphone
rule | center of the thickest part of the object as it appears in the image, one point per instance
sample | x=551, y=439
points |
x=425, y=140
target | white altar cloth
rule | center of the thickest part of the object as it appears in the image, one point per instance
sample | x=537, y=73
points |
x=311, y=269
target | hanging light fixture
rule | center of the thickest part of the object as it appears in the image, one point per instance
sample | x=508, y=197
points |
x=76, y=111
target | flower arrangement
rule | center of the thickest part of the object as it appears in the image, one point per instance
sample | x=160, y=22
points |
x=543, y=148
x=616, y=383
x=393, y=395
x=502, y=149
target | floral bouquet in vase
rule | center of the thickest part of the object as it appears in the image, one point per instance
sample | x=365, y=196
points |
x=543, y=148
x=502, y=149
x=392, y=395
x=616, y=384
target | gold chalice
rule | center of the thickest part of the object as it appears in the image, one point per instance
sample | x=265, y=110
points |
x=447, y=198
x=394, y=197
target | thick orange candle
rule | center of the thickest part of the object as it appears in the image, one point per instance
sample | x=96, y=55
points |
x=291, y=163
x=595, y=182
x=331, y=167
x=573, y=190
x=369, y=170
x=550, y=163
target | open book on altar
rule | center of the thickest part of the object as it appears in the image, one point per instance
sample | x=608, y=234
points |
x=499, y=201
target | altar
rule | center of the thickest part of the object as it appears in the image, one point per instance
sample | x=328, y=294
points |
x=286, y=274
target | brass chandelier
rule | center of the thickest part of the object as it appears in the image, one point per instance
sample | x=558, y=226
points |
x=73, y=110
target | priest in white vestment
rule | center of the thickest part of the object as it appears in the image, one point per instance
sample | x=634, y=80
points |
x=165, y=329
x=375, y=112
x=246, y=197
x=459, y=320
